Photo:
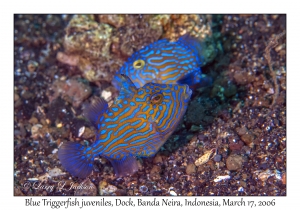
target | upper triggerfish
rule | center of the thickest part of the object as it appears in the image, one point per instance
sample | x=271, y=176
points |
x=166, y=62
x=137, y=124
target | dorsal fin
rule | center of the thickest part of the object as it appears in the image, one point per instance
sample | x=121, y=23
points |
x=125, y=86
x=95, y=110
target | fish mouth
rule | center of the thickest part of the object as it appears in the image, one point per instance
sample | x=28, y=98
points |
x=187, y=92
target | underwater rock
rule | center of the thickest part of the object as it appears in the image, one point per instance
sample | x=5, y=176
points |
x=138, y=32
x=87, y=45
x=116, y=21
x=234, y=162
x=72, y=90
x=191, y=168
x=86, y=36
x=248, y=138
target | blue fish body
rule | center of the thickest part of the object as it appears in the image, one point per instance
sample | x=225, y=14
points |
x=166, y=62
x=137, y=124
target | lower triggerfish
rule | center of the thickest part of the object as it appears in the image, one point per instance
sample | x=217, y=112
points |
x=137, y=124
x=166, y=62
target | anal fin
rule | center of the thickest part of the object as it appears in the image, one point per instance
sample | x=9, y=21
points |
x=126, y=166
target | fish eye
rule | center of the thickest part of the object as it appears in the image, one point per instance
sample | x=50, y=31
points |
x=138, y=64
x=157, y=98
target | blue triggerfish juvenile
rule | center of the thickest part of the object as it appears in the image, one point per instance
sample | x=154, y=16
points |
x=137, y=124
x=166, y=62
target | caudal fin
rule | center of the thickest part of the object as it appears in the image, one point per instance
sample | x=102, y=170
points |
x=74, y=158
x=196, y=80
x=195, y=45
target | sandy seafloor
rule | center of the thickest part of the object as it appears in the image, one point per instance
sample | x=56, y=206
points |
x=62, y=62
